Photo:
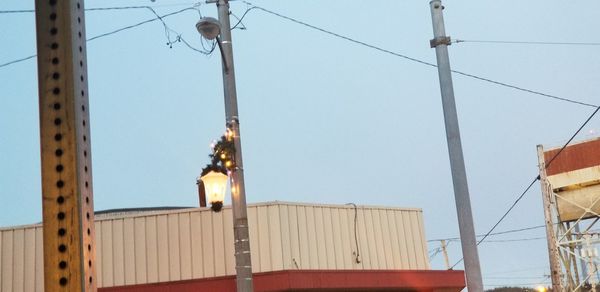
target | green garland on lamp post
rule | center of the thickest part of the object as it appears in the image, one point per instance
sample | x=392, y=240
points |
x=222, y=164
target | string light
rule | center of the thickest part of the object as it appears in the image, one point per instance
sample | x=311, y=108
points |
x=229, y=134
x=223, y=151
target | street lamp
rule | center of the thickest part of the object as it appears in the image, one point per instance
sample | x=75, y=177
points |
x=209, y=28
x=215, y=184
x=220, y=30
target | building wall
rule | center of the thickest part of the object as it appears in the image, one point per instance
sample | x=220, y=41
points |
x=198, y=243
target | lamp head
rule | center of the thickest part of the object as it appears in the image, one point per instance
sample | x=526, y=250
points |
x=215, y=184
x=209, y=27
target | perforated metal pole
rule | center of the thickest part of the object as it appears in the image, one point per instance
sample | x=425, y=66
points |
x=457, y=163
x=67, y=200
x=243, y=263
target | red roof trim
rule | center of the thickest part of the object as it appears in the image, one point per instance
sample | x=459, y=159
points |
x=317, y=280
x=577, y=156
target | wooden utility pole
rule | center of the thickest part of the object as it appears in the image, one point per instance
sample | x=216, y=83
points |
x=445, y=252
x=555, y=269
x=67, y=198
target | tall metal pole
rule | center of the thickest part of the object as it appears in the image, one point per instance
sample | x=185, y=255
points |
x=457, y=164
x=243, y=263
x=553, y=253
x=67, y=197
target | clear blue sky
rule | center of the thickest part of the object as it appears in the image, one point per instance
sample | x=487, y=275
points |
x=323, y=120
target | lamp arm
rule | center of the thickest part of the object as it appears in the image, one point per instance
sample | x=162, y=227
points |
x=225, y=66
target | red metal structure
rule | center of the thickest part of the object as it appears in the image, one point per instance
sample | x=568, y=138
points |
x=317, y=280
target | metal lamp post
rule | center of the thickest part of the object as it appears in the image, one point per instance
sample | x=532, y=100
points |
x=457, y=163
x=211, y=28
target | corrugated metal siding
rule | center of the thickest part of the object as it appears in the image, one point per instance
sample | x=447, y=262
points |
x=197, y=243
x=21, y=259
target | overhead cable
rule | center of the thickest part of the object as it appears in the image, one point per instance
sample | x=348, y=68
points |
x=534, y=180
x=515, y=239
x=526, y=42
x=495, y=233
x=179, y=38
x=18, y=11
x=415, y=59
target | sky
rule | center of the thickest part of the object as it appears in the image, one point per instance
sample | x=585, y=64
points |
x=323, y=119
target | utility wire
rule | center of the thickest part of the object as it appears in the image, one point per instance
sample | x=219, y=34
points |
x=457, y=72
x=571, y=139
x=533, y=277
x=17, y=61
x=179, y=38
x=435, y=251
x=242, y=18
x=518, y=284
x=533, y=182
x=512, y=271
x=526, y=42
x=516, y=239
x=495, y=233
x=417, y=60
x=16, y=11
x=104, y=8
x=348, y=39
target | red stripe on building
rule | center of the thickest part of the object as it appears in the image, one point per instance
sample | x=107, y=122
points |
x=317, y=280
x=574, y=157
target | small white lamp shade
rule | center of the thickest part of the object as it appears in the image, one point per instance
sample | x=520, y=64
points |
x=215, y=185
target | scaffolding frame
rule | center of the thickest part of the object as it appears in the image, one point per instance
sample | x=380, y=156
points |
x=572, y=241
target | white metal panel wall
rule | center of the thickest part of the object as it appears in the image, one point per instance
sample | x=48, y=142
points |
x=21, y=259
x=197, y=243
x=173, y=246
x=325, y=237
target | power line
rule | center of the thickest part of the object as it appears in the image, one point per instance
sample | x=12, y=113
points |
x=524, y=89
x=518, y=284
x=417, y=60
x=526, y=42
x=533, y=277
x=240, y=19
x=179, y=38
x=495, y=233
x=106, y=8
x=435, y=251
x=457, y=72
x=16, y=11
x=333, y=34
x=17, y=61
x=534, y=180
x=512, y=271
x=516, y=239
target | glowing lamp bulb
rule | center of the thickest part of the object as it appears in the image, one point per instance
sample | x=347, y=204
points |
x=215, y=185
x=229, y=134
